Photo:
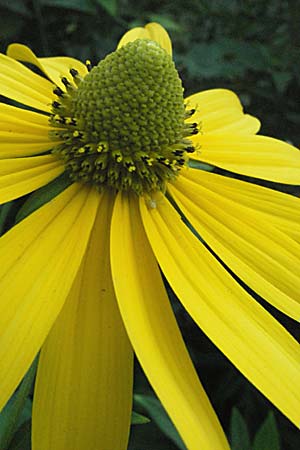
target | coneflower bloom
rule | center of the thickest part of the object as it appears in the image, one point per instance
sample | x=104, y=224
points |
x=80, y=276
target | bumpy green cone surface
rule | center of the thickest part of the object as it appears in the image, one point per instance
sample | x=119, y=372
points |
x=125, y=122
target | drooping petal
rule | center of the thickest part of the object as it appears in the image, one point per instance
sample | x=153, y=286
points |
x=83, y=392
x=14, y=146
x=20, y=176
x=220, y=111
x=154, y=333
x=277, y=208
x=253, y=156
x=249, y=336
x=55, y=67
x=21, y=120
x=7, y=137
x=23, y=133
x=21, y=84
x=153, y=31
x=263, y=257
x=39, y=259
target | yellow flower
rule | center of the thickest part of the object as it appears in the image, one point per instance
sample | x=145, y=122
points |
x=83, y=268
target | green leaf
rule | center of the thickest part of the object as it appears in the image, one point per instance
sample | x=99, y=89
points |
x=157, y=413
x=267, y=437
x=86, y=6
x=10, y=417
x=281, y=80
x=224, y=58
x=17, y=7
x=239, y=435
x=22, y=438
x=138, y=419
x=194, y=164
x=166, y=21
x=43, y=195
x=10, y=24
x=110, y=6
x=4, y=213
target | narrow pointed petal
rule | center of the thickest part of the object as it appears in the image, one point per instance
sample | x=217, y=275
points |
x=23, y=133
x=220, y=111
x=279, y=209
x=154, y=333
x=21, y=84
x=153, y=31
x=265, y=258
x=23, y=137
x=23, y=175
x=14, y=149
x=249, y=336
x=39, y=259
x=22, y=120
x=83, y=392
x=54, y=68
x=253, y=156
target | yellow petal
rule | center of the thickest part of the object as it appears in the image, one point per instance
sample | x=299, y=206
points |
x=21, y=84
x=263, y=257
x=249, y=336
x=22, y=132
x=154, y=333
x=23, y=175
x=21, y=120
x=54, y=68
x=25, y=142
x=23, y=137
x=254, y=156
x=83, y=392
x=277, y=208
x=220, y=111
x=17, y=149
x=159, y=34
x=153, y=31
x=39, y=259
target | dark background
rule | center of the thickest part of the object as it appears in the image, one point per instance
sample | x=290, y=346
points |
x=251, y=47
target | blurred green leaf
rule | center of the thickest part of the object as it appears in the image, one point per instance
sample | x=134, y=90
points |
x=294, y=117
x=22, y=438
x=226, y=57
x=11, y=414
x=267, y=437
x=194, y=164
x=239, y=435
x=138, y=419
x=43, y=195
x=110, y=6
x=16, y=6
x=10, y=24
x=166, y=21
x=157, y=413
x=5, y=210
x=86, y=6
x=281, y=80
x=26, y=412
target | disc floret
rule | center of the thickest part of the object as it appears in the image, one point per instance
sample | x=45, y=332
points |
x=123, y=125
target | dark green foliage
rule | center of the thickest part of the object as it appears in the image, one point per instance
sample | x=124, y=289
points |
x=42, y=196
x=267, y=437
x=239, y=435
x=17, y=411
x=157, y=413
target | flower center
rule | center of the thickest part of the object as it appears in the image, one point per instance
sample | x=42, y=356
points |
x=123, y=125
